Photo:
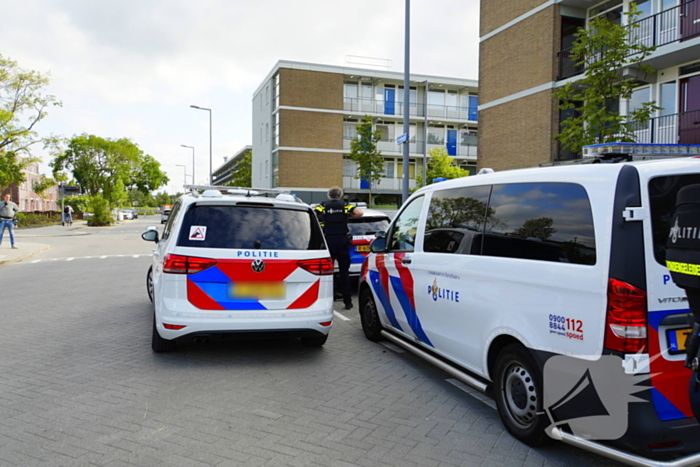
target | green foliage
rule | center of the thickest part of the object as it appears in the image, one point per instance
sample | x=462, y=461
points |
x=363, y=150
x=12, y=168
x=537, y=228
x=243, y=174
x=441, y=165
x=107, y=167
x=30, y=219
x=78, y=203
x=22, y=106
x=603, y=51
x=100, y=210
x=43, y=184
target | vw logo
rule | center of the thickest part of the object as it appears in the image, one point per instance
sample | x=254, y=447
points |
x=258, y=265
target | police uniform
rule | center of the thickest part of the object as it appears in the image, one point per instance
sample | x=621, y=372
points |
x=683, y=261
x=333, y=215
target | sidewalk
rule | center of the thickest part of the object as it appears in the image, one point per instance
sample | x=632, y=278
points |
x=28, y=241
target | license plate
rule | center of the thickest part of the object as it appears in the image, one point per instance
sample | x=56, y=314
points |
x=362, y=248
x=258, y=290
x=676, y=340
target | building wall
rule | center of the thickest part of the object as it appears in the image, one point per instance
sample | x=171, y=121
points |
x=310, y=169
x=311, y=89
x=518, y=133
x=262, y=133
x=302, y=129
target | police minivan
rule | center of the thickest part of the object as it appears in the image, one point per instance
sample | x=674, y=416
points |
x=491, y=276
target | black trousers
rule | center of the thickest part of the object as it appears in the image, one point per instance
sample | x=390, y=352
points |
x=339, y=249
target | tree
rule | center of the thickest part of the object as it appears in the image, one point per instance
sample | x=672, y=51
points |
x=22, y=106
x=537, y=228
x=243, y=173
x=363, y=150
x=107, y=167
x=603, y=51
x=441, y=165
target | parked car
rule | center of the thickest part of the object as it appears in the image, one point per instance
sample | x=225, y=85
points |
x=234, y=264
x=495, y=276
x=363, y=229
x=134, y=213
x=127, y=214
x=164, y=216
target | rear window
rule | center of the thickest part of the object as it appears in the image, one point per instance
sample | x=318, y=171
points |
x=662, y=195
x=248, y=227
x=368, y=225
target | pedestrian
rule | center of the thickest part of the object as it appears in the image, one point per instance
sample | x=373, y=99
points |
x=333, y=215
x=8, y=209
x=68, y=215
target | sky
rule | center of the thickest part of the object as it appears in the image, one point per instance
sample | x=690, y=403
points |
x=132, y=68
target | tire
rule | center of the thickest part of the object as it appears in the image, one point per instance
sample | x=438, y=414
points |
x=316, y=341
x=149, y=283
x=158, y=344
x=369, y=317
x=519, y=396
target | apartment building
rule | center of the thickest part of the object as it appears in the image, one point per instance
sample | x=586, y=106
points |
x=305, y=115
x=525, y=55
x=25, y=196
x=224, y=173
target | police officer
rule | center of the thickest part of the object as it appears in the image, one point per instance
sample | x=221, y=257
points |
x=683, y=261
x=333, y=215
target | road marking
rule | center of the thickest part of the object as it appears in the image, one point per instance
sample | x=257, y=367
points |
x=72, y=258
x=343, y=317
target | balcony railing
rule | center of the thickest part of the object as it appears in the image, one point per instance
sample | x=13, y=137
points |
x=391, y=184
x=671, y=25
x=382, y=107
x=680, y=128
x=418, y=147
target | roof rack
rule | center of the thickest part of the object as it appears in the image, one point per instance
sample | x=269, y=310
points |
x=235, y=190
x=612, y=153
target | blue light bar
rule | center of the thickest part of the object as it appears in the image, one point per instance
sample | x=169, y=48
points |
x=641, y=150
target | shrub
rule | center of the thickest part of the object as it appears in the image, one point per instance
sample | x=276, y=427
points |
x=100, y=210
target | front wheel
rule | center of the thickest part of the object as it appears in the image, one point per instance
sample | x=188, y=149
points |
x=149, y=283
x=519, y=395
x=158, y=344
x=369, y=317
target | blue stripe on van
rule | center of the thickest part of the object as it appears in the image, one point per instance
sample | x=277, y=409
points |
x=383, y=299
x=664, y=408
x=219, y=292
x=410, y=313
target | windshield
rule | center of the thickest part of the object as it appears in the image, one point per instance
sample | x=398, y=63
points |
x=248, y=227
x=368, y=225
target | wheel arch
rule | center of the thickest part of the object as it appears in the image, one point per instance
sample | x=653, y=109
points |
x=496, y=346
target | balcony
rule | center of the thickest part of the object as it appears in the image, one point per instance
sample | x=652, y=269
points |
x=676, y=24
x=385, y=184
x=381, y=107
x=417, y=147
x=680, y=128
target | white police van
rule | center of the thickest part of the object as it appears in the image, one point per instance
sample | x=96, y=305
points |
x=235, y=263
x=490, y=276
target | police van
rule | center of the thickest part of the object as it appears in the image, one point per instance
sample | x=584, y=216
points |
x=492, y=276
x=232, y=262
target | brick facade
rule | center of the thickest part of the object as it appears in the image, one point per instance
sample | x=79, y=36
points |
x=496, y=13
x=303, y=129
x=311, y=89
x=310, y=169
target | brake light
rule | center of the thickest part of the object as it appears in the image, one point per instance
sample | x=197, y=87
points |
x=319, y=267
x=175, y=327
x=178, y=264
x=626, y=320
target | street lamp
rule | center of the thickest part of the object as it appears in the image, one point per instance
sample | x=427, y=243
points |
x=184, y=169
x=406, y=99
x=191, y=147
x=211, y=170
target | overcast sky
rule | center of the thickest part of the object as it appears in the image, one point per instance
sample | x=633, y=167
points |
x=132, y=68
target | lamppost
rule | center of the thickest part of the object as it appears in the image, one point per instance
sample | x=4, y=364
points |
x=191, y=147
x=406, y=99
x=184, y=169
x=211, y=170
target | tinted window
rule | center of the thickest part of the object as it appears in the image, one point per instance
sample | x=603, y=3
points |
x=461, y=210
x=249, y=227
x=662, y=194
x=403, y=235
x=171, y=217
x=540, y=221
x=367, y=225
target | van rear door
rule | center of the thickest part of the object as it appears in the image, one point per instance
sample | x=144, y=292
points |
x=667, y=303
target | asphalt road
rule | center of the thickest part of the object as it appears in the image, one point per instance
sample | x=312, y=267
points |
x=79, y=385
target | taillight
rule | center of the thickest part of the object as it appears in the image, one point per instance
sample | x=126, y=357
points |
x=320, y=267
x=626, y=321
x=178, y=264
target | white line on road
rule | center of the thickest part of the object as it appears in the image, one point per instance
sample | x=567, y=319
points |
x=88, y=257
x=344, y=318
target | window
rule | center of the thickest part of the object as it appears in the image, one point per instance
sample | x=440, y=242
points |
x=454, y=215
x=349, y=168
x=267, y=95
x=468, y=137
x=389, y=171
x=350, y=129
x=171, y=217
x=668, y=98
x=276, y=102
x=662, y=196
x=276, y=129
x=247, y=227
x=403, y=232
x=436, y=134
x=540, y=221
x=411, y=169
x=387, y=132
x=267, y=132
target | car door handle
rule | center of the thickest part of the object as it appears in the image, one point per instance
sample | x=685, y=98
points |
x=406, y=261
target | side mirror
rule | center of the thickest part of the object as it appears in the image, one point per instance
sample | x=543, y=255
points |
x=150, y=235
x=378, y=245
